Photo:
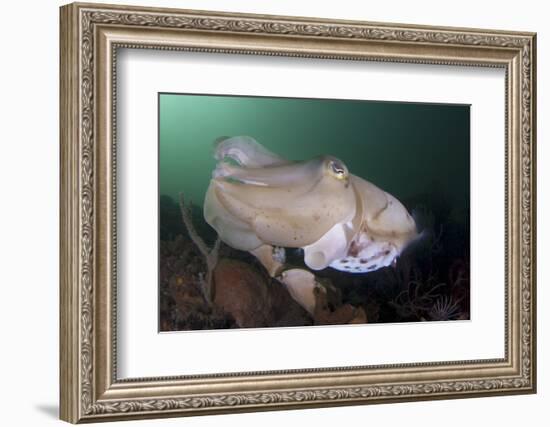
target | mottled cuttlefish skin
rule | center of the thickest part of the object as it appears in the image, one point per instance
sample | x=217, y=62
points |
x=340, y=220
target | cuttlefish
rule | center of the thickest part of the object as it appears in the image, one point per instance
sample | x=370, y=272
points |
x=260, y=202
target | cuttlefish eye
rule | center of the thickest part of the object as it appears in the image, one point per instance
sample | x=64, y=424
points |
x=337, y=169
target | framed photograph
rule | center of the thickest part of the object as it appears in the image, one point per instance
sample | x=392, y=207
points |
x=266, y=212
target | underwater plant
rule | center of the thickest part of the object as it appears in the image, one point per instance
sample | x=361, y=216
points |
x=418, y=298
x=210, y=254
x=445, y=308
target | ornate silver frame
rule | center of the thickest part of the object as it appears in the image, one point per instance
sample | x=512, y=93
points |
x=90, y=36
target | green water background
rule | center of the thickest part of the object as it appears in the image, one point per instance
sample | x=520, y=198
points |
x=407, y=149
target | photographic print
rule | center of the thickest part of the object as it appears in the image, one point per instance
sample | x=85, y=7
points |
x=277, y=212
x=212, y=198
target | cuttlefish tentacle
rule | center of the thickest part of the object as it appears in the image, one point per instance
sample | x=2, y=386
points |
x=301, y=285
x=272, y=258
x=332, y=245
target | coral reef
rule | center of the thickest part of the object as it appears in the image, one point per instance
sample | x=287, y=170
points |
x=253, y=299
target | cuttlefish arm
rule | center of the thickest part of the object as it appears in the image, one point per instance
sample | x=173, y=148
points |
x=332, y=245
x=301, y=285
x=272, y=258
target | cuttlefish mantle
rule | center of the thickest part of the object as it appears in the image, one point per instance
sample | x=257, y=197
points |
x=258, y=200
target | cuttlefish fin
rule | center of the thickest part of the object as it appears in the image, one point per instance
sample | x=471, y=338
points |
x=245, y=151
x=287, y=175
